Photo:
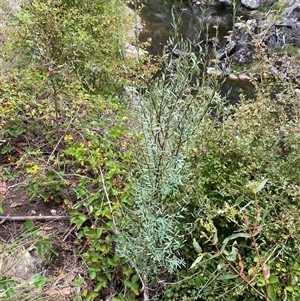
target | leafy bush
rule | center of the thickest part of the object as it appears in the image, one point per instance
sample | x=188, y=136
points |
x=246, y=171
x=67, y=38
x=169, y=114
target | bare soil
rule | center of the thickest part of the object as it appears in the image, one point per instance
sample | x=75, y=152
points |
x=63, y=268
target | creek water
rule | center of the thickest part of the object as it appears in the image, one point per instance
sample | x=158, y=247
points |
x=157, y=17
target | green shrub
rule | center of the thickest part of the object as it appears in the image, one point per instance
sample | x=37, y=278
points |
x=72, y=38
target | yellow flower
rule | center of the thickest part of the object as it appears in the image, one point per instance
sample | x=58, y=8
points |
x=68, y=138
x=33, y=168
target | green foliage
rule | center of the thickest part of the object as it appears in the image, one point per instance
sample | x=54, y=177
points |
x=177, y=185
x=66, y=38
x=293, y=287
x=169, y=114
x=7, y=285
x=64, y=125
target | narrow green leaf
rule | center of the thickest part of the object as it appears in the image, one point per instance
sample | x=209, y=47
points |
x=215, y=235
x=10, y=293
x=261, y=185
x=233, y=236
x=244, y=189
x=197, y=261
x=197, y=246
x=239, y=200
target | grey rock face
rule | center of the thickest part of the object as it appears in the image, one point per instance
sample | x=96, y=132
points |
x=252, y=4
x=293, y=11
x=255, y=4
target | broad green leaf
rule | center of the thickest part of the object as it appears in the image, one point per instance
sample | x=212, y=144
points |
x=79, y=219
x=127, y=283
x=29, y=224
x=39, y=281
x=261, y=282
x=273, y=279
x=92, y=275
x=290, y=288
x=251, y=271
x=296, y=266
x=78, y=282
x=118, y=298
x=1, y=209
x=101, y=284
x=134, y=278
x=272, y=292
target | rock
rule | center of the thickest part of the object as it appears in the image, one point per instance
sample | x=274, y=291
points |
x=233, y=77
x=214, y=72
x=244, y=56
x=177, y=53
x=252, y=4
x=244, y=77
x=255, y=4
x=239, y=43
x=134, y=51
x=21, y=264
x=227, y=51
x=132, y=33
x=293, y=12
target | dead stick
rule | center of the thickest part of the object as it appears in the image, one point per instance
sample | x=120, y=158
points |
x=4, y=219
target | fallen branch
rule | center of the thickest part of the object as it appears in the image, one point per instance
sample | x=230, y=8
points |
x=4, y=219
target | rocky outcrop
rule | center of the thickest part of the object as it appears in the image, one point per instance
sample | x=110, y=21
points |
x=239, y=43
x=131, y=50
x=250, y=4
x=273, y=35
x=284, y=33
x=255, y=4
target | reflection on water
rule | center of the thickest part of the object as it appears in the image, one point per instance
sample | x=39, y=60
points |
x=157, y=16
x=232, y=90
x=158, y=19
